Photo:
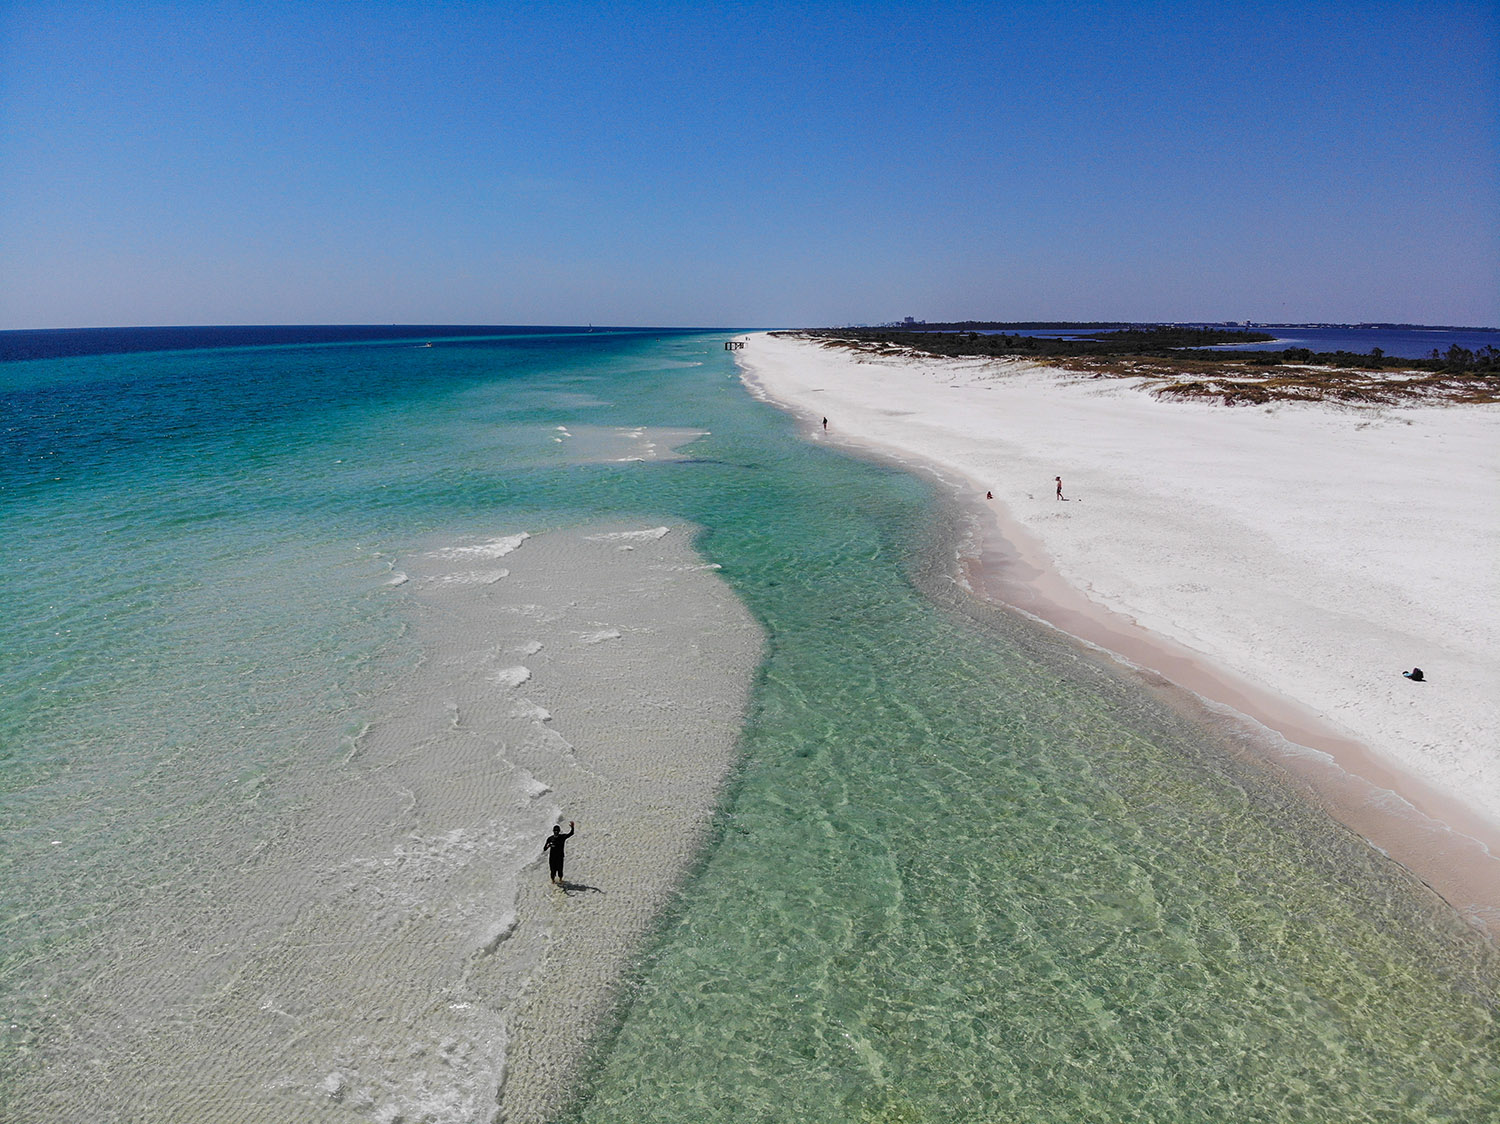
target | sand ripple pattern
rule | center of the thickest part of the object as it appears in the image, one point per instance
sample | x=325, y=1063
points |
x=390, y=948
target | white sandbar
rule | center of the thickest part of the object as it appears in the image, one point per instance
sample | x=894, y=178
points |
x=1288, y=561
x=378, y=939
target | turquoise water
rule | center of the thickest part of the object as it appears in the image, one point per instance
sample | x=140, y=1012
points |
x=963, y=874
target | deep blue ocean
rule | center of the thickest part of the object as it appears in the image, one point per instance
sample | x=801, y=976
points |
x=964, y=871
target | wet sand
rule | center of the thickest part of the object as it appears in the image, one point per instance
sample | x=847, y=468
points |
x=370, y=932
x=1419, y=786
x=1430, y=832
x=644, y=671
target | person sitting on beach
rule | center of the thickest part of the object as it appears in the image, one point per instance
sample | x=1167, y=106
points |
x=554, y=844
x=1415, y=675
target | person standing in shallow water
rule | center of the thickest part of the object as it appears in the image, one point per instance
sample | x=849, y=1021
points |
x=554, y=848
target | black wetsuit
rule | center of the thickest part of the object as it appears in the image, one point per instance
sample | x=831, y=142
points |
x=554, y=847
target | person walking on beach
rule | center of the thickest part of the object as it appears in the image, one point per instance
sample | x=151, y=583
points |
x=554, y=846
x=825, y=425
x=1059, y=486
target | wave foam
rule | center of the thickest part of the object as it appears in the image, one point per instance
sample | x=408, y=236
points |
x=652, y=534
x=494, y=548
x=528, y=709
x=471, y=577
x=498, y=933
x=510, y=676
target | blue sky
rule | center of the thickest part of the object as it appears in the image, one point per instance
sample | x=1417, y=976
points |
x=747, y=164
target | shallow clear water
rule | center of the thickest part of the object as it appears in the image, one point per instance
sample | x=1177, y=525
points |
x=963, y=881
x=963, y=873
x=969, y=875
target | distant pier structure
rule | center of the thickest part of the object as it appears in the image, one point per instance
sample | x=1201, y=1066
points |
x=734, y=345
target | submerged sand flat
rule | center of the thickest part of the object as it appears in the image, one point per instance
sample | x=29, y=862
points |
x=1289, y=561
x=631, y=663
x=392, y=949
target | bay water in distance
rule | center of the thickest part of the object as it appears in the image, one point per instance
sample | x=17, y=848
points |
x=1411, y=342
x=964, y=871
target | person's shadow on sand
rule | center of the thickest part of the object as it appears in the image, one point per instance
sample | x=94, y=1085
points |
x=570, y=887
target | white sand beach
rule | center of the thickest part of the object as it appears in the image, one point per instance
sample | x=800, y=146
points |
x=1286, y=561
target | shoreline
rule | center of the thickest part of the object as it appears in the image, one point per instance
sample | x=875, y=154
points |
x=1437, y=837
x=368, y=930
x=624, y=710
x=1448, y=843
